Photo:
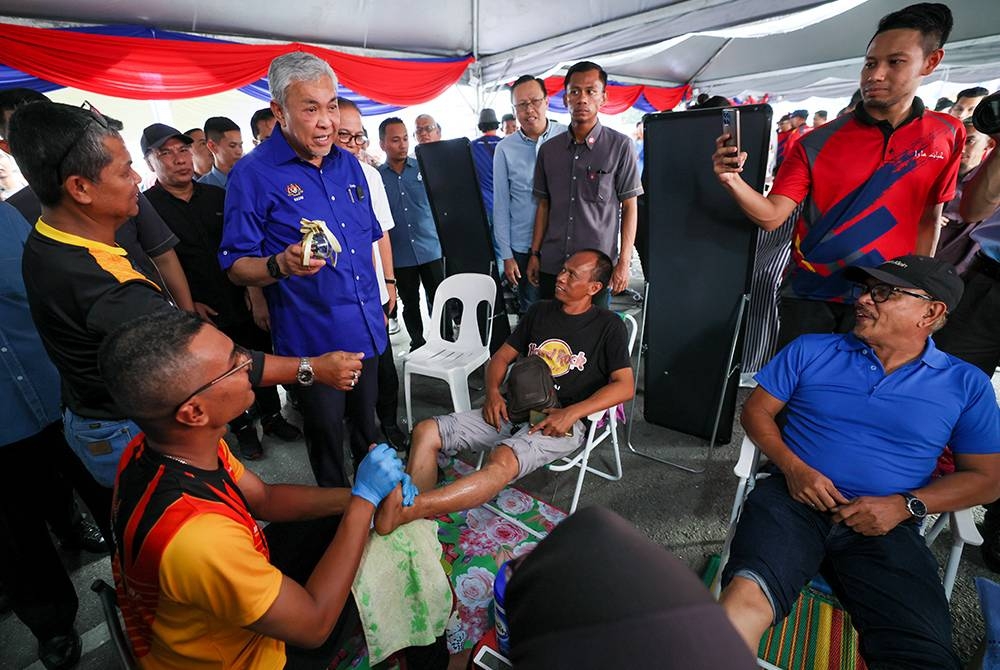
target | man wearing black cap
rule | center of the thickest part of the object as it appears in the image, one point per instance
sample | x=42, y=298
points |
x=866, y=415
x=483, y=148
x=509, y=124
x=193, y=210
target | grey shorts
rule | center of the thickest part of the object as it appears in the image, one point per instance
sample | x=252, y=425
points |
x=469, y=430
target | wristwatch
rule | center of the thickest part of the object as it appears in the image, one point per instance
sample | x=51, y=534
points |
x=536, y=253
x=914, y=505
x=305, y=375
x=273, y=268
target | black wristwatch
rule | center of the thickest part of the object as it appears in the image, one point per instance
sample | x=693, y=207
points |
x=305, y=375
x=273, y=268
x=536, y=253
x=914, y=505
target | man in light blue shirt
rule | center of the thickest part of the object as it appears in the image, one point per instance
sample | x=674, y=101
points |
x=513, y=175
x=225, y=141
x=416, y=250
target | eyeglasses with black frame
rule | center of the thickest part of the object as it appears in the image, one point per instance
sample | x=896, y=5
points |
x=346, y=137
x=245, y=363
x=882, y=292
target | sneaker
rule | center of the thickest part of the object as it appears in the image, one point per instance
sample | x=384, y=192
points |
x=277, y=426
x=250, y=446
x=393, y=326
x=84, y=535
x=60, y=651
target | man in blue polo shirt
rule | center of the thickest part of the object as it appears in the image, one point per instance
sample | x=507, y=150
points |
x=416, y=250
x=866, y=416
x=320, y=304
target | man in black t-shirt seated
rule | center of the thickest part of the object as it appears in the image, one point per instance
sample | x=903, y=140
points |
x=586, y=348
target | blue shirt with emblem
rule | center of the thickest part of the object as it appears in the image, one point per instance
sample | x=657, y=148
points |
x=268, y=192
x=874, y=434
x=29, y=380
x=414, y=238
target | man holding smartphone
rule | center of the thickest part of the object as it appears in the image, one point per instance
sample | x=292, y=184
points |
x=872, y=183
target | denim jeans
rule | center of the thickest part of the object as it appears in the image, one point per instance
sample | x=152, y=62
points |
x=99, y=443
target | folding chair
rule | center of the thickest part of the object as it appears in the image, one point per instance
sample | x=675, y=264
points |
x=597, y=435
x=453, y=362
x=109, y=604
x=961, y=522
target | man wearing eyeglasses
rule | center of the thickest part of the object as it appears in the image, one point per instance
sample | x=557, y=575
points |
x=514, y=205
x=200, y=584
x=315, y=304
x=586, y=184
x=193, y=210
x=426, y=129
x=866, y=416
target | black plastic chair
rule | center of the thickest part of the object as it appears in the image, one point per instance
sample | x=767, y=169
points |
x=109, y=603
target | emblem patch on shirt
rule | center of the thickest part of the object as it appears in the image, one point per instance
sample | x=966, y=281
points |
x=293, y=190
x=559, y=356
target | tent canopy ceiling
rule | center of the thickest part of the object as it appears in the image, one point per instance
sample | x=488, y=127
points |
x=518, y=36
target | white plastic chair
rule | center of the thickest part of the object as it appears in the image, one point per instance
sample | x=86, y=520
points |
x=963, y=526
x=453, y=362
x=596, y=436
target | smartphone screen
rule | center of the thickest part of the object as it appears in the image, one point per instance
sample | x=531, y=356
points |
x=731, y=126
x=491, y=660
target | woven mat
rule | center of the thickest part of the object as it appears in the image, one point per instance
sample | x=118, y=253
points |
x=816, y=635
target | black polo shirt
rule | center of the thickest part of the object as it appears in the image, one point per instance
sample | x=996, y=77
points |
x=198, y=225
x=79, y=291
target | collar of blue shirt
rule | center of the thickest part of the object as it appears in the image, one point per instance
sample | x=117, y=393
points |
x=932, y=356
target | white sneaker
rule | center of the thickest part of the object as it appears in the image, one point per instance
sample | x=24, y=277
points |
x=393, y=326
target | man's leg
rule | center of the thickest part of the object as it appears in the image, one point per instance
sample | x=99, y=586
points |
x=890, y=586
x=408, y=288
x=323, y=428
x=527, y=293
x=360, y=410
x=777, y=549
x=40, y=592
x=387, y=400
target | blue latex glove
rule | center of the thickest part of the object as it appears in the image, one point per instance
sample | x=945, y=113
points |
x=410, y=491
x=378, y=474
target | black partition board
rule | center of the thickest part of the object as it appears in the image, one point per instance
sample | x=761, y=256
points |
x=449, y=176
x=701, y=248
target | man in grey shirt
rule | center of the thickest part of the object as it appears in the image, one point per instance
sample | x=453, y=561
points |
x=513, y=174
x=587, y=182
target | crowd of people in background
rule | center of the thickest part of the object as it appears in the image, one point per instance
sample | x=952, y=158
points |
x=150, y=323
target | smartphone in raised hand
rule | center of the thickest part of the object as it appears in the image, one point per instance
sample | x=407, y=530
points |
x=731, y=127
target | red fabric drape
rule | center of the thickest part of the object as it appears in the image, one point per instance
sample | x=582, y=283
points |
x=666, y=98
x=622, y=97
x=141, y=68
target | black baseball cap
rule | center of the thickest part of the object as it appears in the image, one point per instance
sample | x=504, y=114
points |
x=155, y=135
x=939, y=279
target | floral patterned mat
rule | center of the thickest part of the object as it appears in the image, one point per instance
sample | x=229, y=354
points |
x=474, y=544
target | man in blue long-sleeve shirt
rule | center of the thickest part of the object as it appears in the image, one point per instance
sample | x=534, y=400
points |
x=513, y=175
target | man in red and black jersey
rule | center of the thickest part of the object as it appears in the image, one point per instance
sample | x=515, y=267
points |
x=200, y=585
x=872, y=183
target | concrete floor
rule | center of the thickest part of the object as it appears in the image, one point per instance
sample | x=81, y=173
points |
x=686, y=513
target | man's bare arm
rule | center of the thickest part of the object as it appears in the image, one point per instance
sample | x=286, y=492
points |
x=630, y=218
x=976, y=481
x=495, y=407
x=290, y=502
x=928, y=230
x=981, y=196
x=537, y=235
x=173, y=276
x=252, y=271
x=560, y=420
x=767, y=212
